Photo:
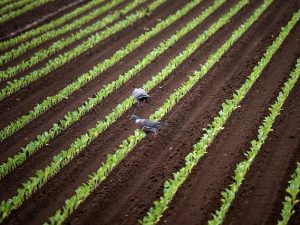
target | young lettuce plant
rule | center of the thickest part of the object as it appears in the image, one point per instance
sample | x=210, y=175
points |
x=290, y=199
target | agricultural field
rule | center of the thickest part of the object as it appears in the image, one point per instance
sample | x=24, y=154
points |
x=223, y=76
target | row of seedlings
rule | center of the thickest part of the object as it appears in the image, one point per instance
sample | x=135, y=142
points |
x=291, y=199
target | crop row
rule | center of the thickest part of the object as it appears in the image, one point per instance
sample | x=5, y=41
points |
x=290, y=199
x=83, y=191
x=60, y=60
x=22, y=10
x=229, y=193
x=10, y=7
x=72, y=117
x=3, y=3
x=65, y=156
x=63, y=42
x=46, y=27
x=172, y=185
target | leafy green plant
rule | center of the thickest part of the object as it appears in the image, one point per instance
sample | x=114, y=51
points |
x=72, y=117
x=4, y=3
x=290, y=199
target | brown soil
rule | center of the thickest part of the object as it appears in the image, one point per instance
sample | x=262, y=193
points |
x=129, y=191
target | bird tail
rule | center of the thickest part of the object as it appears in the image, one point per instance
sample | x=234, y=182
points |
x=144, y=96
x=163, y=123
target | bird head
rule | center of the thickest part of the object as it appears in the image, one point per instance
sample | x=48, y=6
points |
x=134, y=117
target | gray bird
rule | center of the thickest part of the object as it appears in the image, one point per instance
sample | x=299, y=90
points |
x=140, y=95
x=147, y=125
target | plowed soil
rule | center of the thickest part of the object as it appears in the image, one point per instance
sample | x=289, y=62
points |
x=129, y=191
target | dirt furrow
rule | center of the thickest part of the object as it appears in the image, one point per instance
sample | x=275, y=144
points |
x=40, y=21
x=100, y=147
x=34, y=15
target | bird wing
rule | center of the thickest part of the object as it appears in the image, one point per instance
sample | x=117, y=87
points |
x=152, y=124
x=139, y=93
